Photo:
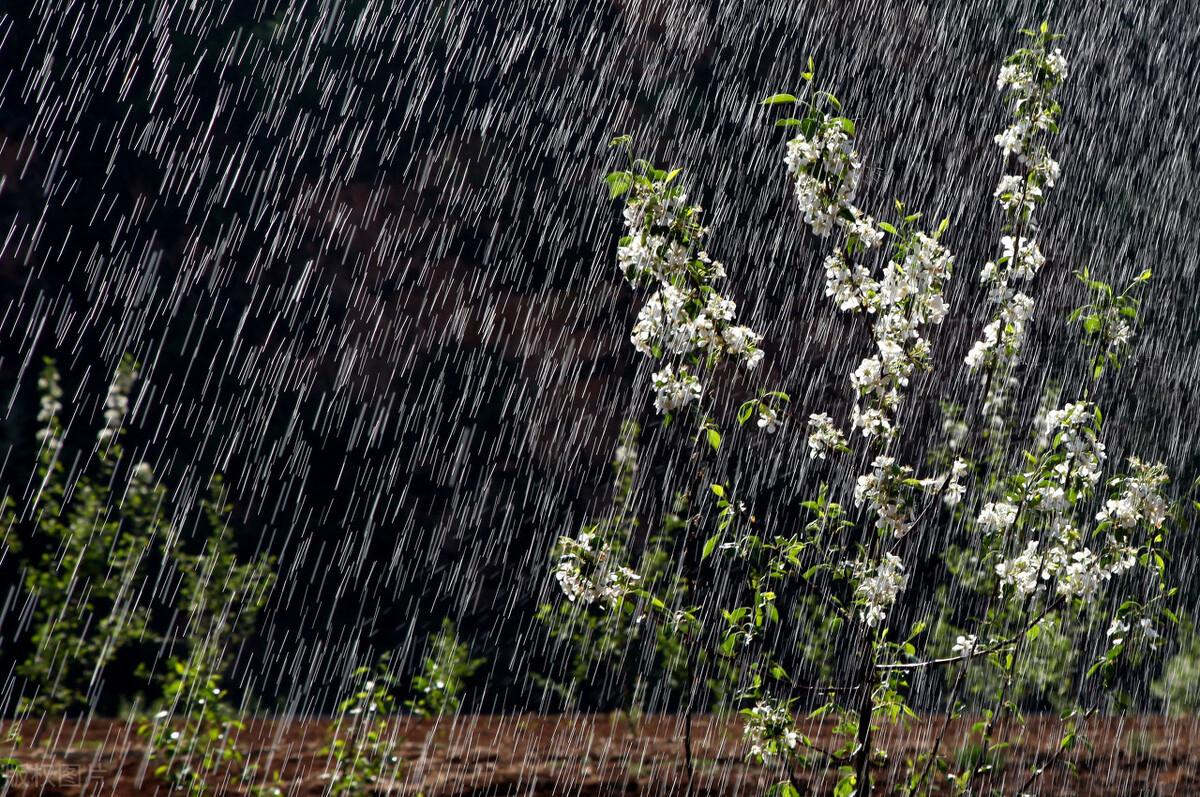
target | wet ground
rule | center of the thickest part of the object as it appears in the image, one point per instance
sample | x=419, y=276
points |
x=599, y=755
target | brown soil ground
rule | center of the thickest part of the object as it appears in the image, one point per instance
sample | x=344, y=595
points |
x=600, y=755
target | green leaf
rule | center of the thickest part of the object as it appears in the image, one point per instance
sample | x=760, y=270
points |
x=620, y=141
x=888, y=228
x=710, y=545
x=718, y=490
x=714, y=438
x=618, y=183
x=745, y=411
x=789, y=122
x=779, y=99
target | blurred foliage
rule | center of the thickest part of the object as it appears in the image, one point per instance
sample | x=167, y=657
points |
x=445, y=669
x=361, y=747
x=99, y=547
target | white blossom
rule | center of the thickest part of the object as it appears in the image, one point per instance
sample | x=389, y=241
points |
x=824, y=435
x=1023, y=262
x=1023, y=571
x=965, y=644
x=743, y=342
x=877, y=589
x=997, y=516
x=1056, y=63
x=826, y=171
x=1138, y=498
x=674, y=389
x=851, y=287
x=770, y=731
x=954, y=489
x=587, y=571
x=1015, y=193
x=768, y=419
x=116, y=403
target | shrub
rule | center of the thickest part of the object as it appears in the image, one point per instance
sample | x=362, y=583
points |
x=1048, y=573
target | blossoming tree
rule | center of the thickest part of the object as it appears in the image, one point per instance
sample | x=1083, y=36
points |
x=1044, y=542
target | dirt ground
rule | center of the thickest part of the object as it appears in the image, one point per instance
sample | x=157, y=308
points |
x=596, y=755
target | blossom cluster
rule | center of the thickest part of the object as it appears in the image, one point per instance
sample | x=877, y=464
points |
x=824, y=436
x=685, y=317
x=770, y=731
x=997, y=516
x=880, y=488
x=587, y=571
x=909, y=295
x=1077, y=573
x=878, y=588
x=116, y=403
x=674, y=388
x=51, y=404
x=1029, y=78
x=826, y=171
x=1076, y=435
x=954, y=489
x=1138, y=499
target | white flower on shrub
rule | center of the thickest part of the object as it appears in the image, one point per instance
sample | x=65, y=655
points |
x=1085, y=453
x=770, y=731
x=877, y=589
x=826, y=170
x=1138, y=498
x=965, y=644
x=685, y=316
x=116, y=403
x=587, y=571
x=824, y=436
x=674, y=389
x=742, y=341
x=954, y=490
x=1023, y=571
x=1079, y=574
x=1023, y=260
x=997, y=516
x=768, y=419
x=850, y=287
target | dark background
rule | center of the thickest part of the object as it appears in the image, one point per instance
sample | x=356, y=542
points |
x=363, y=252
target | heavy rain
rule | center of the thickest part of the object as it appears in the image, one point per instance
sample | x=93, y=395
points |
x=558, y=397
